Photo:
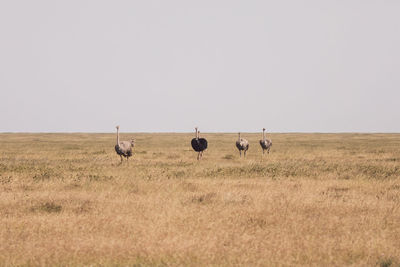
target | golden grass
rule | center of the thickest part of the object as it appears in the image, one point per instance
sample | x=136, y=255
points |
x=317, y=199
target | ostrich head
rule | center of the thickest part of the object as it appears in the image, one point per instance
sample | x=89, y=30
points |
x=263, y=129
x=117, y=127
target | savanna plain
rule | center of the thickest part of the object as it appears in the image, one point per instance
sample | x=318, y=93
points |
x=316, y=199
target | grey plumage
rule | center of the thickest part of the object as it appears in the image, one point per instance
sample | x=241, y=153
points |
x=243, y=145
x=124, y=148
x=265, y=143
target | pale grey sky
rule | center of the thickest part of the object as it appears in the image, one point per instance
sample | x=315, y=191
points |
x=287, y=65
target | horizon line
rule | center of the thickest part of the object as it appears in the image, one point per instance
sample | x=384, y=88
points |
x=209, y=132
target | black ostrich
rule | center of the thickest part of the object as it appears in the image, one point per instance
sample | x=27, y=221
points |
x=199, y=144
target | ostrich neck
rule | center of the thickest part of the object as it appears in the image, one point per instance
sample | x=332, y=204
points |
x=117, y=136
x=264, y=136
x=197, y=134
x=239, y=137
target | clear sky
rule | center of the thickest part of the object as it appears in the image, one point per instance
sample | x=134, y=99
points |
x=222, y=65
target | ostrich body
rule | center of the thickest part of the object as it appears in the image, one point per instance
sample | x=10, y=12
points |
x=243, y=145
x=265, y=143
x=124, y=148
x=199, y=144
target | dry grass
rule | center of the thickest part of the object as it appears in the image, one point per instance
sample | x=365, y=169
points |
x=317, y=199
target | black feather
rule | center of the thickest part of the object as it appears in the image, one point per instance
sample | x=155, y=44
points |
x=199, y=144
x=123, y=152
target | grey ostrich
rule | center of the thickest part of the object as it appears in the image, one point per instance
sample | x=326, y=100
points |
x=265, y=143
x=242, y=144
x=124, y=148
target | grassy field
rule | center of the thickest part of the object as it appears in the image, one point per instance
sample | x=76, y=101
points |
x=316, y=199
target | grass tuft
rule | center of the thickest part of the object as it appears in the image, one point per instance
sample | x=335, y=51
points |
x=49, y=207
x=229, y=157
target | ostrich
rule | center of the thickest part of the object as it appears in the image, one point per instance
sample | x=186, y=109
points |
x=242, y=144
x=265, y=143
x=124, y=148
x=199, y=144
